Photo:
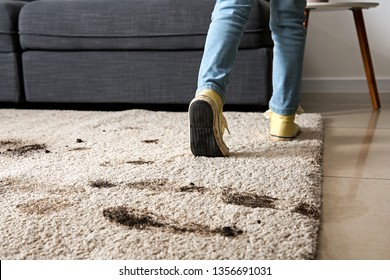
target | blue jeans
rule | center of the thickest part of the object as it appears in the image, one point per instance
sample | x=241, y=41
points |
x=229, y=19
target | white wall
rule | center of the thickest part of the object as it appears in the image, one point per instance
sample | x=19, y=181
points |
x=332, y=57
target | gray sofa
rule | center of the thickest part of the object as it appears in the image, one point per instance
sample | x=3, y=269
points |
x=122, y=51
x=11, y=89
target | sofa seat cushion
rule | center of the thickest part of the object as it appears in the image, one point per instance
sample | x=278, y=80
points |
x=129, y=24
x=10, y=81
x=119, y=76
x=9, y=14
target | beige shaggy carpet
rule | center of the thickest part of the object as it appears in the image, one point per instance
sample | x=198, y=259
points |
x=124, y=185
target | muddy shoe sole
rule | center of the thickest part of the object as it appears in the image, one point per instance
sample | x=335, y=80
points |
x=205, y=136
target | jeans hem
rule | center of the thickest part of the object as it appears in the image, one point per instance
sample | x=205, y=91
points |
x=284, y=112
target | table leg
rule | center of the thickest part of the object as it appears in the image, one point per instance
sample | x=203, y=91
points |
x=307, y=14
x=366, y=55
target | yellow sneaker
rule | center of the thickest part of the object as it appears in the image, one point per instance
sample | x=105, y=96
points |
x=207, y=125
x=283, y=128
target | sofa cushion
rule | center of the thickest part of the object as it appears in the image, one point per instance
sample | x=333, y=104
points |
x=129, y=24
x=119, y=76
x=9, y=14
x=10, y=81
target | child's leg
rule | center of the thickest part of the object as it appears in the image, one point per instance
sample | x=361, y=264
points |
x=229, y=19
x=207, y=123
x=289, y=36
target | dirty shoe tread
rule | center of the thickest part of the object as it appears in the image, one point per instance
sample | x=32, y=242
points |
x=205, y=131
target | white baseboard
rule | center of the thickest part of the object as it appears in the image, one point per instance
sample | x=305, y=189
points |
x=343, y=85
